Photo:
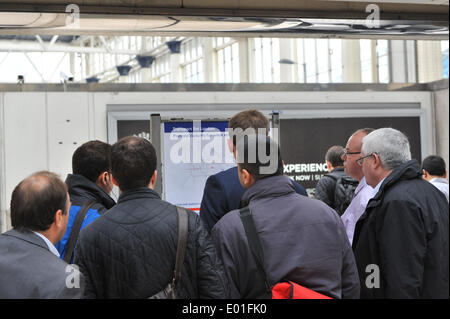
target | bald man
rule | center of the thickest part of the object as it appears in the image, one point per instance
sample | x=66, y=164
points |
x=30, y=266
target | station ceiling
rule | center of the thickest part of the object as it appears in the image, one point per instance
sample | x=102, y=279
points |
x=413, y=19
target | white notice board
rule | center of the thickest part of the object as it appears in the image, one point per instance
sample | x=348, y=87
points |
x=193, y=151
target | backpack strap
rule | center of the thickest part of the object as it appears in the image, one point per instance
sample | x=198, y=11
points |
x=254, y=243
x=76, y=230
x=182, y=243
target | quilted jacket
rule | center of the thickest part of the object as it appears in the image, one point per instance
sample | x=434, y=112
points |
x=129, y=252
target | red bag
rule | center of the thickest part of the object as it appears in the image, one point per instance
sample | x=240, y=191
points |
x=291, y=290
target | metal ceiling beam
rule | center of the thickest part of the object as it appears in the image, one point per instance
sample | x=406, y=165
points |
x=30, y=46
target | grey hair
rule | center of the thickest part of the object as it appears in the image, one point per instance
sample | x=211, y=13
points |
x=389, y=144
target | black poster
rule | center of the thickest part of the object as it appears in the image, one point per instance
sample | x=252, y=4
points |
x=304, y=142
x=140, y=128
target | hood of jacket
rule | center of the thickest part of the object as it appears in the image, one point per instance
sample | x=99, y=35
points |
x=273, y=186
x=82, y=189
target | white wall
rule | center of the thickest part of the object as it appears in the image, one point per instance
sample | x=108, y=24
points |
x=41, y=130
x=442, y=125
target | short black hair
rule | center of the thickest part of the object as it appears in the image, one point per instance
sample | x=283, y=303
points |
x=133, y=162
x=92, y=159
x=434, y=165
x=334, y=155
x=36, y=199
x=255, y=153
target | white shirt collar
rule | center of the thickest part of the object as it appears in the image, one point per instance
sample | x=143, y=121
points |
x=51, y=247
x=377, y=188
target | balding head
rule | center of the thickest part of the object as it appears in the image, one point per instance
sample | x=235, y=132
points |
x=36, y=199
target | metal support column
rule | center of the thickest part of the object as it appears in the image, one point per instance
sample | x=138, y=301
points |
x=155, y=138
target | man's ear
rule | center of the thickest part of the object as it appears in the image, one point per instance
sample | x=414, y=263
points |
x=153, y=179
x=59, y=218
x=424, y=173
x=102, y=179
x=329, y=166
x=247, y=177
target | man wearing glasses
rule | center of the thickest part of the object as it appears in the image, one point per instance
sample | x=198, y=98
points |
x=363, y=192
x=401, y=241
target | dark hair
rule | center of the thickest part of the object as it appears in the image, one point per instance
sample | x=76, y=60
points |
x=133, y=162
x=434, y=165
x=36, y=199
x=255, y=153
x=334, y=155
x=248, y=119
x=92, y=159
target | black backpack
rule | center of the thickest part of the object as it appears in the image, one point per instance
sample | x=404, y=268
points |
x=344, y=191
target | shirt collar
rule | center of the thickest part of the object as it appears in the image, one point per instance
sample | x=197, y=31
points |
x=438, y=180
x=377, y=188
x=51, y=247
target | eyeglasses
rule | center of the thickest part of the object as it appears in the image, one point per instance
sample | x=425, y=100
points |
x=360, y=160
x=346, y=153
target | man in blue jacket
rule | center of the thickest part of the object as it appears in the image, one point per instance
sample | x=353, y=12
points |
x=223, y=191
x=90, y=183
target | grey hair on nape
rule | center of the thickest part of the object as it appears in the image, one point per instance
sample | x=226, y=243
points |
x=391, y=146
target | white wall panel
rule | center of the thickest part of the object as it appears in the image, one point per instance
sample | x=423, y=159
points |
x=25, y=137
x=68, y=128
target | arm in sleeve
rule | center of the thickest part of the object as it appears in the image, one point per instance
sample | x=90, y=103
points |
x=349, y=274
x=402, y=246
x=214, y=204
x=212, y=281
x=80, y=261
x=219, y=240
x=322, y=192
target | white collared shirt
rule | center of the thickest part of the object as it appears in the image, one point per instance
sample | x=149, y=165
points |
x=377, y=188
x=441, y=184
x=51, y=247
x=357, y=207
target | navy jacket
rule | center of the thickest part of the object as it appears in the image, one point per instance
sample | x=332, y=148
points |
x=303, y=240
x=82, y=190
x=222, y=194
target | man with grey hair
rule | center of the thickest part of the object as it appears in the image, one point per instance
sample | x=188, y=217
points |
x=401, y=241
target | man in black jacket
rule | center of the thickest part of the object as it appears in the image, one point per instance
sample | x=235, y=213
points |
x=326, y=186
x=129, y=252
x=90, y=183
x=401, y=241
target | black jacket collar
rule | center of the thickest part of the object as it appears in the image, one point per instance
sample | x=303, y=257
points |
x=82, y=188
x=142, y=192
x=406, y=171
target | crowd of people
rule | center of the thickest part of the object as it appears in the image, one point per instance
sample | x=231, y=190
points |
x=377, y=228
